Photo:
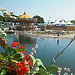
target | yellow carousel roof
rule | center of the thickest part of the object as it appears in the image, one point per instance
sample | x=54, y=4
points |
x=24, y=16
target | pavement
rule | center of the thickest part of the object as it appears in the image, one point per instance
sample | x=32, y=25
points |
x=65, y=36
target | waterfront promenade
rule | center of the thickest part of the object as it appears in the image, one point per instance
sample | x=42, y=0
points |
x=64, y=36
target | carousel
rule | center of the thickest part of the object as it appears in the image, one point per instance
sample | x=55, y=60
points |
x=25, y=21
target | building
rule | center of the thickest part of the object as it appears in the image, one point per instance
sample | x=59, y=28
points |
x=61, y=27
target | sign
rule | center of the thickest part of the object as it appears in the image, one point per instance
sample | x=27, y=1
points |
x=59, y=26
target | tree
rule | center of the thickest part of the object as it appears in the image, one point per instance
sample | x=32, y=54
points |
x=72, y=21
x=39, y=19
x=1, y=18
x=7, y=19
x=4, y=19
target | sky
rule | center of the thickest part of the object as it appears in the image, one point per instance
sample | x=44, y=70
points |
x=50, y=10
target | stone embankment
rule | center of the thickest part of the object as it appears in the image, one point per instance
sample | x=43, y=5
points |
x=65, y=36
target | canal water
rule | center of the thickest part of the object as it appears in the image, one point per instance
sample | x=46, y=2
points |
x=47, y=49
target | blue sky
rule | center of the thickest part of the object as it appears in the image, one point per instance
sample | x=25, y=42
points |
x=48, y=9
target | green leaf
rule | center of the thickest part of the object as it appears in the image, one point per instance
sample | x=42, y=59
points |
x=5, y=39
x=39, y=62
x=28, y=68
x=48, y=73
x=5, y=32
x=37, y=68
x=33, y=59
x=18, y=49
x=35, y=63
x=4, y=70
x=3, y=35
x=17, y=58
x=42, y=72
x=1, y=57
x=9, y=52
x=32, y=72
x=52, y=68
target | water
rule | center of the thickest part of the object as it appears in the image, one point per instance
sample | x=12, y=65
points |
x=48, y=49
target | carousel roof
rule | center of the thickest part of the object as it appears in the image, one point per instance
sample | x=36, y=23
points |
x=24, y=16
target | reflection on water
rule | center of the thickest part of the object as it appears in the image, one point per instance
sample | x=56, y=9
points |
x=57, y=41
x=26, y=39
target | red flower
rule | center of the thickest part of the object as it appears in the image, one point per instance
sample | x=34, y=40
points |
x=27, y=56
x=17, y=43
x=25, y=69
x=24, y=62
x=23, y=53
x=9, y=70
x=14, y=44
x=21, y=47
x=30, y=63
x=22, y=68
x=19, y=64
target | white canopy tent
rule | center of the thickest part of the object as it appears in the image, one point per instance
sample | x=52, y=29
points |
x=56, y=22
x=69, y=23
x=62, y=22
